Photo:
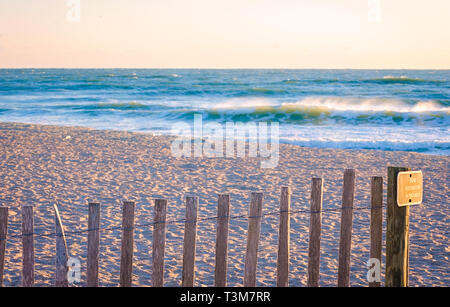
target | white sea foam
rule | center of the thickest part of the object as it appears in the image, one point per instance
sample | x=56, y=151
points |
x=249, y=103
x=427, y=140
x=333, y=104
x=367, y=105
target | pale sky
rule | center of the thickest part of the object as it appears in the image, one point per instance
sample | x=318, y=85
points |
x=226, y=34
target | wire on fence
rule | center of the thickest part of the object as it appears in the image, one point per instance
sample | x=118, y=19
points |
x=183, y=220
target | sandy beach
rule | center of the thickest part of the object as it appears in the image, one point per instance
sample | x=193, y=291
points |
x=44, y=165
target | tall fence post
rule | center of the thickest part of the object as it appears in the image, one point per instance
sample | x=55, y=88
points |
x=159, y=242
x=283, y=238
x=376, y=224
x=397, y=233
x=3, y=234
x=190, y=231
x=93, y=244
x=126, y=260
x=346, y=228
x=315, y=226
x=28, y=246
x=61, y=252
x=254, y=229
x=223, y=218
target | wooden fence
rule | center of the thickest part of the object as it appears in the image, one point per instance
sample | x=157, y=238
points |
x=222, y=218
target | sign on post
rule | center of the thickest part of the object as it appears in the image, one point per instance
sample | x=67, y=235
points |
x=409, y=188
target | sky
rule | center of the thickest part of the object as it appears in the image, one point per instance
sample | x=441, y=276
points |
x=362, y=34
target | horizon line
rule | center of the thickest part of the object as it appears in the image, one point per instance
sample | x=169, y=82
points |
x=223, y=68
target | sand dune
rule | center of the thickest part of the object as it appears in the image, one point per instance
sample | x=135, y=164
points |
x=42, y=165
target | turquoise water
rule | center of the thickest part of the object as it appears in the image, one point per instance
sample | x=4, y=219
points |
x=353, y=109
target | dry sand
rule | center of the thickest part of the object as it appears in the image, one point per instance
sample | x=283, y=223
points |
x=41, y=166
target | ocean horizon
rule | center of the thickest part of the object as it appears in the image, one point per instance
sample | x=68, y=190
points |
x=391, y=110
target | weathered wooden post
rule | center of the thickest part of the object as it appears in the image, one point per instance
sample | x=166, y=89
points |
x=376, y=225
x=159, y=242
x=28, y=246
x=315, y=226
x=346, y=228
x=61, y=252
x=223, y=217
x=93, y=244
x=3, y=234
x=190, y=231
x=254, y=229
x=126, y=260
x=397, y=232
x=283, y=238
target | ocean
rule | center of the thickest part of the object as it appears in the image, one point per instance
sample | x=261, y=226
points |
x=390, y=110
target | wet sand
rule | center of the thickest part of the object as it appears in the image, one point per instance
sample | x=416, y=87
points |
x=44, y=165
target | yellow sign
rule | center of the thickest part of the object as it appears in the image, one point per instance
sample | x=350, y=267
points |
x=409, y=188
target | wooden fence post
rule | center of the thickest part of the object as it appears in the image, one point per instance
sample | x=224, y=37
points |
x=397, y=232
x=61, y=252
x=3, y=234
x=190, y=231
x=346, y=228
x=93, y=244
x=159, y=242
x=223, y=218
x=28, y=246
x=315, y=226
x=283, y=238
x=376, y=222
x=126, y=260
x=254, y=229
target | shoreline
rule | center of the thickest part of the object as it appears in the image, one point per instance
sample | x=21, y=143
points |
x=40, y=166
x=153, y=134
